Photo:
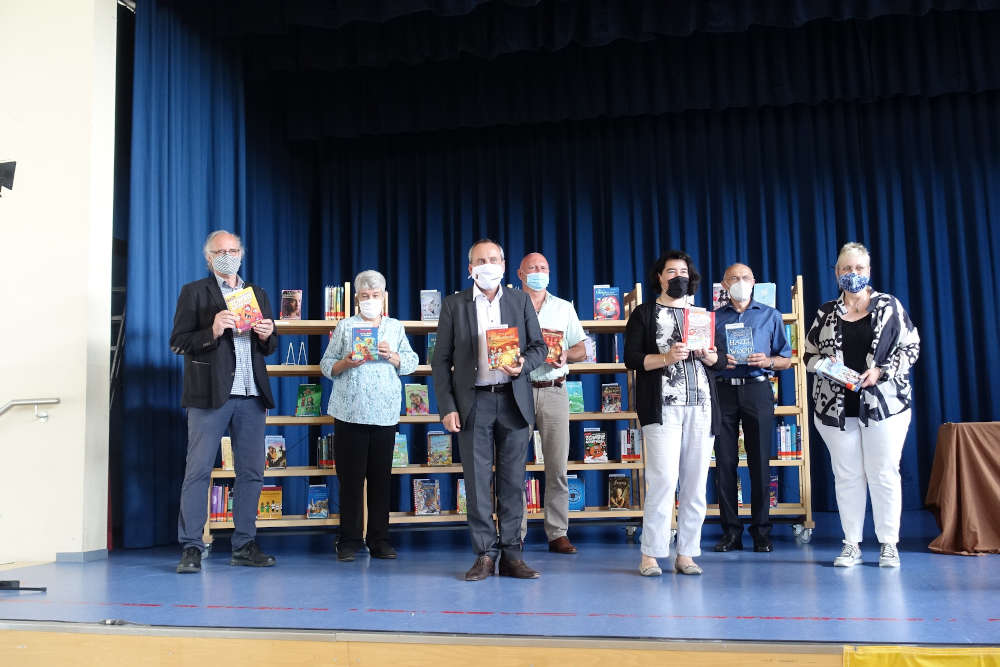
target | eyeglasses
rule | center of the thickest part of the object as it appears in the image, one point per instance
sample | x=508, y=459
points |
x=231, y=251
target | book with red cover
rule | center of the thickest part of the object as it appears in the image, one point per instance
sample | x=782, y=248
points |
x=554, y=340
x=503, y=346
x=699, y=328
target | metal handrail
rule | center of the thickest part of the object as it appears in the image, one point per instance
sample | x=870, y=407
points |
x=28, y=401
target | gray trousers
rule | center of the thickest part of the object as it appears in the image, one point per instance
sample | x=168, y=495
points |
x=494, y=429
x=244, y=419
x=552, y=422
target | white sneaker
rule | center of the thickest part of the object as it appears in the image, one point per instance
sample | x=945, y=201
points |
x=889, y=557
x=849, y=556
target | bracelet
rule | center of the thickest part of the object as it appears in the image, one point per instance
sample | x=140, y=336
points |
x=664, y=360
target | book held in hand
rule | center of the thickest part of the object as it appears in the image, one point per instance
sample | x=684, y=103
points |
x=595, y=445
x=574, y=390
x=291, y=304
x=739, y=341
x=699, y=328
x=839, y=373
x=611, y=397
x=364, y=343
x=426, y=497
x=503, y=346
x=430, y=305
x=318, y=502
x=400, y=452
x=308, y=403
x=554, y=341
x=243, y=304
x=607, y=302
x=274, y=452
x=619, y=491
x=417, y=402
x=438, y=448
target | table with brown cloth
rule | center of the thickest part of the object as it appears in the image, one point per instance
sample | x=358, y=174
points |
x=964, y=490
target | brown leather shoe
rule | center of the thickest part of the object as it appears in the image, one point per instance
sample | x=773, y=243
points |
x=510, y=567
x=562, y=545
x=482, y=568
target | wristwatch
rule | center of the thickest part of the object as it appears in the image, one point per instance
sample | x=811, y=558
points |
x=771, y=367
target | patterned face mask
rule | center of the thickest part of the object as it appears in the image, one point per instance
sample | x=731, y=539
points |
x=852, y=282
x=226, y=264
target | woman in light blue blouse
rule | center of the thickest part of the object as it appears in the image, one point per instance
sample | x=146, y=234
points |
x=365, y=405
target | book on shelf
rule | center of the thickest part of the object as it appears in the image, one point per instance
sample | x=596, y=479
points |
x=774, y=387
x=243, y=304
x=291, y=304
x=554, y=341
x=227, y=453
x=274, y=452
x=426, y=497
x=839, y=373
x=739, y=341
x=574, y=390
x=630, y=442
x=430, y=305
x=417, y=401
x=461, y=502
x=772, y=491
x=792, y=336
x=438, y=448
x=766, y=293
x=699, y=328
x=590, y=349
x=400, y=452
x=215, y=503
x=607, y=302
x=619, y=491
x=432, y=339
x=364, y=343
x=577, y=493
x=269, y=506
x=309, y=400
x=532, y=495
x=595, y=445
x=324, y=451
x=720, y=296
x=318, y=502
x=333, y=297
x=739, y=492
x=611, y=397
x=536, y=441
x=741, y=444
x=503, y=346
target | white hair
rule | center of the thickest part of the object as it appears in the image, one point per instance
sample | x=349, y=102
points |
x=481, y=242
x=853, y=248
x=211, y=237
x=369, y=279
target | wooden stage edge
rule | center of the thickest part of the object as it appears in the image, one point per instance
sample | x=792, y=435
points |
x=42, y=643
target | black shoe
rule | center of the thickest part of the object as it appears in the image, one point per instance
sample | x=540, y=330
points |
x=382, y=550
x=729, y=542
x=482, y=568
x=763, y=544
x=249, y=554
x=190, y=561
x=511, y=567
x=345, y=554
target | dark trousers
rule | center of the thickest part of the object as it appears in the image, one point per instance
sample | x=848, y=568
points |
x=752, y=404
x=363, y=452
x=243, y=417
x=496, y=430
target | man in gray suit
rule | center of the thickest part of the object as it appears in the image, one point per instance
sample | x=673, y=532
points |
x=490, y=410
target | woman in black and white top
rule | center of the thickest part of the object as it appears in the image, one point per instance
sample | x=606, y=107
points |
x=678, y=410
x=864, y=430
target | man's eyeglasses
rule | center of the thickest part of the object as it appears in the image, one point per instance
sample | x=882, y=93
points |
x=231, y=251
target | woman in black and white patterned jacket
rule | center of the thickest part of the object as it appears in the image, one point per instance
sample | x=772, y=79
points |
x=864, y=430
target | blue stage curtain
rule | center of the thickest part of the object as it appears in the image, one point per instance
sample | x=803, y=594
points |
x=914, y=176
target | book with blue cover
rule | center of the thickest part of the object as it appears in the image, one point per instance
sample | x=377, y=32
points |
x=766, y=293
x=318, y=504
x=364, y=343
x=607, y=302
x=438, y=448
x=739, y=341
x=577, y=494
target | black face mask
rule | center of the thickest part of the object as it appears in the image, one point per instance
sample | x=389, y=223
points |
x=677, y=287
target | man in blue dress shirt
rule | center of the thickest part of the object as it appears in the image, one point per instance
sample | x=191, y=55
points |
x=745, y=396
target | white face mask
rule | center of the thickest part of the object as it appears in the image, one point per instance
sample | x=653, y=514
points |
x=370, y=308
x=226, y=264
x=741, y=291
x=488, y=276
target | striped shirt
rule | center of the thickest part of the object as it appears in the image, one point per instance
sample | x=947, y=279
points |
x=243, y=382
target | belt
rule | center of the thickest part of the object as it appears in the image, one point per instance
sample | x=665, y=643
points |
x=741, y=381
x=558, y=382
x=243, y=396
x=494, y=388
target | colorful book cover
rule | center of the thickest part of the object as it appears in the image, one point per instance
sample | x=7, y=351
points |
x=591, y=349
x=554, y=341
x=773, y=491
x=699, y=328
x=774, y=387
x=215, y=504
x=739, y=341
x=243, y=304
x=577, y=493
x=839, y=373
x=309, y=401
x=611, y=397
x=432, y=339
x=739, y=492
x=536, y=441
x=227, y=453
x=741, y=444
x=461, y=503
x=291, y=304
x=792, y=336
x=574, y=390
x=430, y=305
x=595, y=445
x=324, y=451
x=438, y=448
x=426, y=497
x=619, y=491
x=400, y=452
x=364, y=343
x=631, y=444
x=765, y=293
x=720, y=297
x=318, y=503
x=274, y=452
x=417, y=402
x=503, y=346
x=607, y=302
x=269, y=506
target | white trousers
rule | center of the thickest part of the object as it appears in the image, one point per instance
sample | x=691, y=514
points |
x=868, y=456
x=678, y=450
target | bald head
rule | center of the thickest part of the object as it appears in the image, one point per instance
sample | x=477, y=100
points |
x=739, y=281
x=533, y=262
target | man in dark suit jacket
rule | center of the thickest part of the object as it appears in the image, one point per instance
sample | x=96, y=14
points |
x=225, y=388
x=490, y=410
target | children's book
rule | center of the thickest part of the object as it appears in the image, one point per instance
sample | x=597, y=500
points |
x=699, y=328
x=503, y=346
x=765, y=293
x=577, y=493
x=607, y=302
x=574, y=389
x=430, y=304
x=400, y=452
x=309, y=402
x=432, y=339
x=243, y=304
x=318, y=503
x=269, y=506
x=773, y=491
x=364, y=343
x=417, y=402
x=291, y=304
x=595, y=445
x=274, y=452
x=461, y=503
x=227, y=453
x=839, y=373
x=426, y=497
x=619, y=491
x=739, y=341
x=554, y=341
x=611, y=397
x=720, y=296
x=438, y=448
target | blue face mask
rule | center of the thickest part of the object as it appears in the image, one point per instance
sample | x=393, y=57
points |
x=537, y=281
x=852, y=282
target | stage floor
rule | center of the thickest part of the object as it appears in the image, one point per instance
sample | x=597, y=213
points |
x=793, y=594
